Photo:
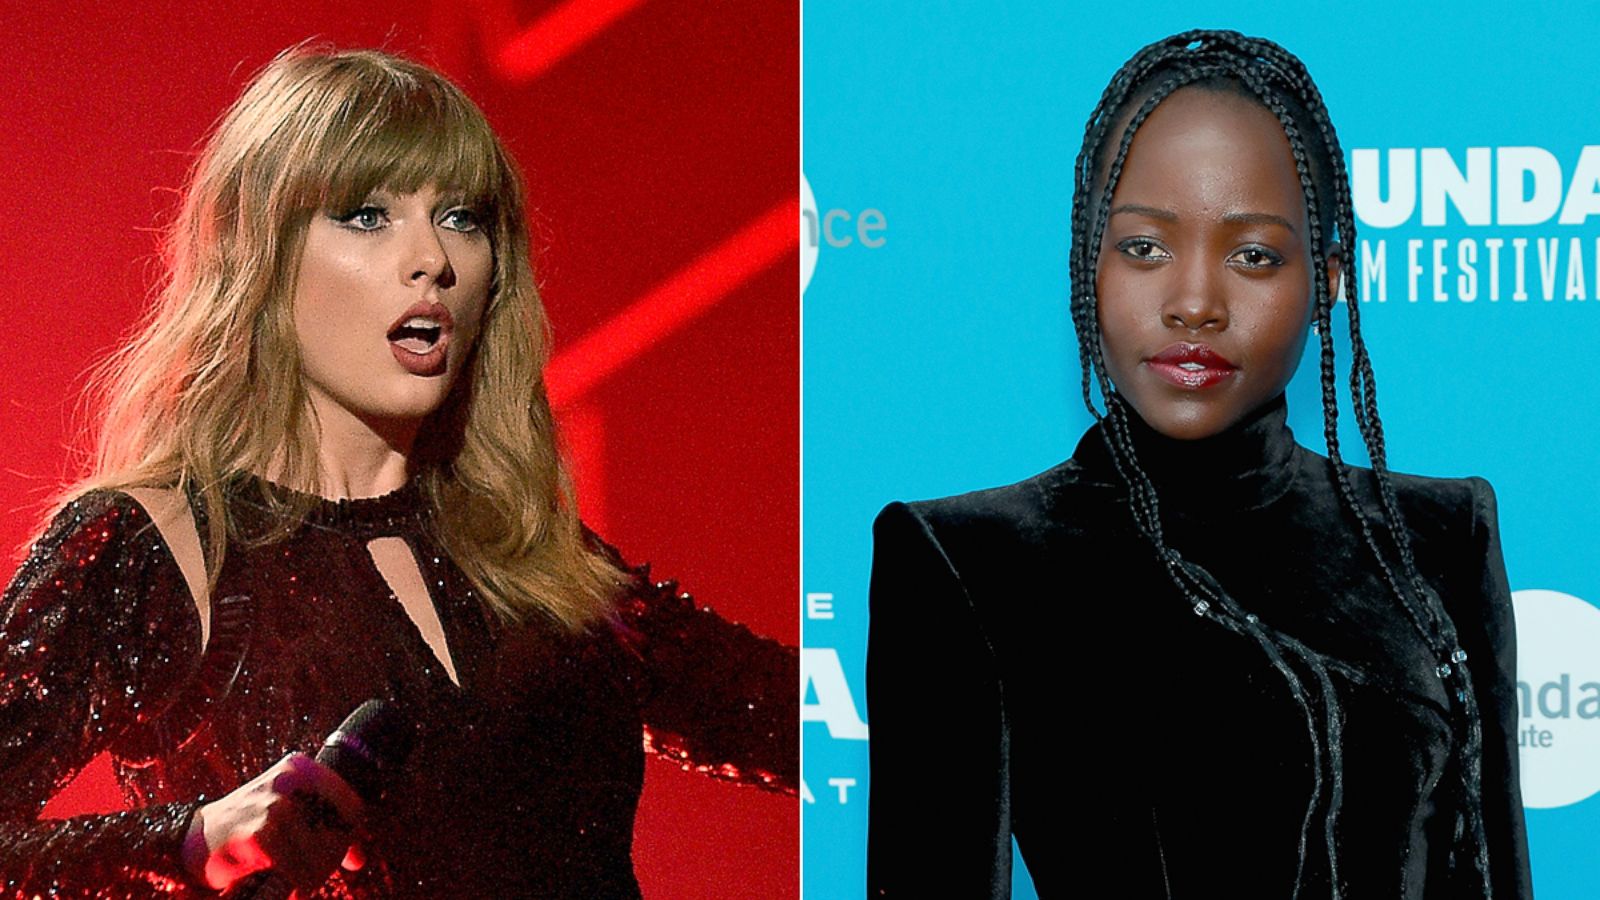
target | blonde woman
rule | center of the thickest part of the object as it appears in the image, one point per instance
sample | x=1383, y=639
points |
x=327, y=472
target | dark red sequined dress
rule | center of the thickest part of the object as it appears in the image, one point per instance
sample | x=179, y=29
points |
x=525, y=778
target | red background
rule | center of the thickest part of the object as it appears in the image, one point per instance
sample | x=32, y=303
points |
x=671, y=128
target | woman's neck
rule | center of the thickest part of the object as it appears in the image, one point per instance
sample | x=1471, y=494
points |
x=355, y=460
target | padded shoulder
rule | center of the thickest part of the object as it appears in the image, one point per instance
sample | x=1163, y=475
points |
x=1018, y=501
x=1450, y=499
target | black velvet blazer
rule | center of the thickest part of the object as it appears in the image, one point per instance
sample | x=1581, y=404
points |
x=1031, y=671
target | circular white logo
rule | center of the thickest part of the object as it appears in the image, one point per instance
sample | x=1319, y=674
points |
x=809, y=238
x=1558, y=697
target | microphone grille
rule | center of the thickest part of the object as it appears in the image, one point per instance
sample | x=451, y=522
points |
x=369, y=748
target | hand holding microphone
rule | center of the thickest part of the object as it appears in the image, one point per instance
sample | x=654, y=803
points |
x=297, y=818
x=292, y=825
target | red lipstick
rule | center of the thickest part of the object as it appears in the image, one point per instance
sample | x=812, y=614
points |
x=422, y=347
x=1192, y=367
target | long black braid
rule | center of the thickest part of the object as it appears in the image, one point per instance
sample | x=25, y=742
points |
x=1262, y=70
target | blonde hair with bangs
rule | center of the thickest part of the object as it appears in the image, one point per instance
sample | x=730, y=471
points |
x=210, y=386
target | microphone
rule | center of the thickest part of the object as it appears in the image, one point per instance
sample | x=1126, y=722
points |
x=367, y=750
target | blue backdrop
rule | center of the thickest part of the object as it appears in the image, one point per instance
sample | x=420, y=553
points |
x=938, y=142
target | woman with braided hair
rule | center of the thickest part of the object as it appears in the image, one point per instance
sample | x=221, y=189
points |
x=1314, y=660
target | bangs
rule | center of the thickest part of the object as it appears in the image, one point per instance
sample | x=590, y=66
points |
x=392, y=130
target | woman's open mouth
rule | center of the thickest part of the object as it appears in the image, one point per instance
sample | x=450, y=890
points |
x=421, y=344
x=1191, y=366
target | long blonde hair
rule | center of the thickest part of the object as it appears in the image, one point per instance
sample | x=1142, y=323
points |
x=211, y=384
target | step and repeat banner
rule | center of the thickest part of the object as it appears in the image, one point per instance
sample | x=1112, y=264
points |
x=937, y=152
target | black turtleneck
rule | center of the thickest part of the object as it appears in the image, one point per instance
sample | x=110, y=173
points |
x=1246, y=467
x=1030, y=668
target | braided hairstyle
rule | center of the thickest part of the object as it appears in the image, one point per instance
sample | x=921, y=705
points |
x=1262, y=70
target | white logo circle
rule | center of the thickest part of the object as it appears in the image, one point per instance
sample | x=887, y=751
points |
x=1558, y=697
x=809, y=240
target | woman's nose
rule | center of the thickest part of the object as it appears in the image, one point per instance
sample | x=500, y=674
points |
x=1197, y=298
x=427, y=259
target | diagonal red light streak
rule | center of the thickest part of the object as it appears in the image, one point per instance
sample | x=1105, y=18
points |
x=534, y=49
x=673, y=303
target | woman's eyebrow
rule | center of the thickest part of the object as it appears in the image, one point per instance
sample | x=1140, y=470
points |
x=1148, y=211
x=1249, y=218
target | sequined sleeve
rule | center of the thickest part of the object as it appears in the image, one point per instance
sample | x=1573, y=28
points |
x=716, y=698
x=87, y=645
